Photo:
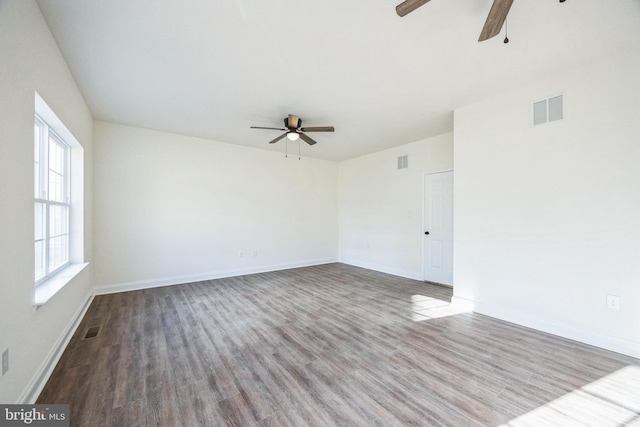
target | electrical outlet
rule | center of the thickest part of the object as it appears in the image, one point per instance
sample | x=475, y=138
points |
x=5, y=362
x=613, y=302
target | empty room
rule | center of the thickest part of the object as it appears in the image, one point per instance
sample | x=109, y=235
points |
x=381, y=213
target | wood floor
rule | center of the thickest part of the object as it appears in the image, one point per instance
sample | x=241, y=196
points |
x=331, y=345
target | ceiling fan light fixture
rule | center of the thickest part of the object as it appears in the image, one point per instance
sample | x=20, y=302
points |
x=293, y=136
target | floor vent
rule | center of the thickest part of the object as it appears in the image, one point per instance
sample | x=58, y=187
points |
x=92, y=332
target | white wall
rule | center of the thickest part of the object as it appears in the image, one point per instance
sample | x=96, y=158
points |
x=381, y=206
x=172, y=209
x=547, y=219
x=30, y=61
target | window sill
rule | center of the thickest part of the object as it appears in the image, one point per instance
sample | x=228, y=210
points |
x=47, y=289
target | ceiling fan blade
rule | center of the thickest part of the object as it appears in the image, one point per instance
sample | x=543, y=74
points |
x=278, y=138
x=294, y=121
x=318, y=129
x=307, y=139
x=260, y=127
x=495, y=19
x=409, y=6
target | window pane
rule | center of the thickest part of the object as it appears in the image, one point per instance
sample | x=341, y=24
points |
x=58, y=252
x=56, y=187
x=56, y=156
x=57, y=170
x=58, y=220
x=39, y=221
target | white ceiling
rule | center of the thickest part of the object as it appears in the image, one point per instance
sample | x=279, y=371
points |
x=212, y=68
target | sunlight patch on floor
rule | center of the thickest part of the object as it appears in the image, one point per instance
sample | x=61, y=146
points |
x=426, y=308
x=611, y=401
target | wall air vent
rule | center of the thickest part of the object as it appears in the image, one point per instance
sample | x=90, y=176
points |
x=403, y=162
x=548, y=110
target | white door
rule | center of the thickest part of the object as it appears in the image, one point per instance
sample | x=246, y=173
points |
x=438, y=228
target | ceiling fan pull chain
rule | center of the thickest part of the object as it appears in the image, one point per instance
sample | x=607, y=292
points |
x=286, y=148
x=506, y=31
x=299, y=149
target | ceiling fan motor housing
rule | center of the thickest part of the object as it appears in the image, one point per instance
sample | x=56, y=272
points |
x=292, y=127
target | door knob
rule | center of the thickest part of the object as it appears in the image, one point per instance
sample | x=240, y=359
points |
x=426, y=233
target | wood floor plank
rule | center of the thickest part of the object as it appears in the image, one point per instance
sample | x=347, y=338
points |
x=235, y=412
x=131, y=414
x=329, y=345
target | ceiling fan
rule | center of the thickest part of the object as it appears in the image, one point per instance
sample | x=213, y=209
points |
x=293, y=130
x=492, y=26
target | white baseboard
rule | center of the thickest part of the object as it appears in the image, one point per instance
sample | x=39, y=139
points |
x=39, y=380
x=170, y=281
x=629, y=348
x=384, y=269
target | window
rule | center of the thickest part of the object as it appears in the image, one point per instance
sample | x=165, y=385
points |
x=52, y=201
x=58, y=204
